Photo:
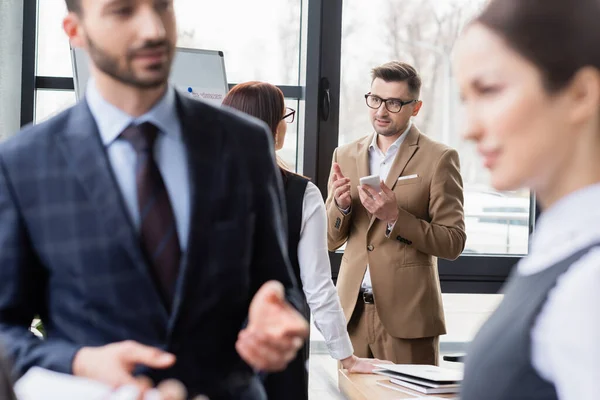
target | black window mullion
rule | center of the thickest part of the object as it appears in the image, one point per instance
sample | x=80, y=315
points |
x=324, y=40
x=28, y=61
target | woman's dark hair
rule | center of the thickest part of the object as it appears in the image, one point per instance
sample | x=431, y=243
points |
x=74, y=6
x=260, y=100
x=559, y=36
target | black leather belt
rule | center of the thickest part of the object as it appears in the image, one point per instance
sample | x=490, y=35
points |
x=366, y=297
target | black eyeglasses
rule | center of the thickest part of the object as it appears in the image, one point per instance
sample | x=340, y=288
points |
x=392, y=105
x=290, y=113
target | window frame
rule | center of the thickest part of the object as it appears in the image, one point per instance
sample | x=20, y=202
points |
x=468, y=274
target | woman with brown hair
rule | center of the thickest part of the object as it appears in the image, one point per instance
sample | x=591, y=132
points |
x=307, y=248
x=529, y=73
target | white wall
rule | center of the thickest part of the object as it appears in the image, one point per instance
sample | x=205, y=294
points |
x=11, y=39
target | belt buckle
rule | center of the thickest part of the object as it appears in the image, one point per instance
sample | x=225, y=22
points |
x=368, y=297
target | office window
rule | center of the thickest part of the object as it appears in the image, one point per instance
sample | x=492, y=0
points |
x=50, y=102
x=465, y=313
x=423, y=34
x=261, y=40
x=291, y=152
x=53, y=55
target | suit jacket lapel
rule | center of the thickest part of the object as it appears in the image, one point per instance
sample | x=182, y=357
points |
x=405, y=153
x=84, y=152
x=202, y=138
x=362, y=161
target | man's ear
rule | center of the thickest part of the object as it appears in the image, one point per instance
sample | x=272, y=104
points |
x=74, y=29
x=417, y=108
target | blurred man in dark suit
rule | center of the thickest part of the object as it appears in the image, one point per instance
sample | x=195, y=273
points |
x=142, y=227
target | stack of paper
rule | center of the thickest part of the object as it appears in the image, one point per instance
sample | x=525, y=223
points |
x=426, y=379
x=42, y=384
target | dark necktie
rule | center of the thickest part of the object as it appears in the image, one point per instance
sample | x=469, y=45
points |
x=158, y=231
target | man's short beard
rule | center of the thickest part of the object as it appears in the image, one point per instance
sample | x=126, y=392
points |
x=110, y=66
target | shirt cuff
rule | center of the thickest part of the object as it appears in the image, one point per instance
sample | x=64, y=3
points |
x=390, y=228
x=340, y=348
x=344, y=211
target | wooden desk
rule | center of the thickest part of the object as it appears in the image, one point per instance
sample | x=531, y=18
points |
x=365, y=387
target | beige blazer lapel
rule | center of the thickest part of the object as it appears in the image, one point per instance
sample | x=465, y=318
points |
x=405, y=153
x=362, y=157
x=362, y=163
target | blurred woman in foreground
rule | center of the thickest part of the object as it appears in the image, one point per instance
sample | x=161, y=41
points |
x=529, y=73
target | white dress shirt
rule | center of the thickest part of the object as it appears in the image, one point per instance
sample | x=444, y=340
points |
x=315, y=272
x=169, y=154
x=566, y=335
x=380, y=163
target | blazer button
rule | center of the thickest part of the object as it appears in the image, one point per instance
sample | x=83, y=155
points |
x=370, y=247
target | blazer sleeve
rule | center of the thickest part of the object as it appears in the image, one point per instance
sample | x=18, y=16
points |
x=23, y=283
x=270, y=256
x=338, y=222
x=444, y=236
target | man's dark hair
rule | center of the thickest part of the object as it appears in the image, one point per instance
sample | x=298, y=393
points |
x=396, y=71
x=74, y=6
x=560, y=37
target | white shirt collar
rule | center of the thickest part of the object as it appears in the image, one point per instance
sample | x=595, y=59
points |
x=569, y=225
x=397, y=143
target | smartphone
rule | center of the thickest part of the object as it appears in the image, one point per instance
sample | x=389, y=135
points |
x=373, y=181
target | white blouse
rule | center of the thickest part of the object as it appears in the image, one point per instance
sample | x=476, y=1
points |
x=566, y=335
x=315, y=272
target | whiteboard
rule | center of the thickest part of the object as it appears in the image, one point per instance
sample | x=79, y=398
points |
x=199, y=73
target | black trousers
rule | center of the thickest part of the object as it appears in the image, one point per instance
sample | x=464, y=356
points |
x=291, y=383
x=6, y=381
x=252, y=390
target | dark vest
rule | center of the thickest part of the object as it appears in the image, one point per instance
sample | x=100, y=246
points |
x=295, y=186
x=292, y=384
x=498, y=363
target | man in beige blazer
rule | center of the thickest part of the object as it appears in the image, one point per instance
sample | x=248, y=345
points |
x=388, y=281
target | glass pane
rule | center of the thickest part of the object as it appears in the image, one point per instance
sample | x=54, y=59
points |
x=423, y=34
x=50, y=102
x=465, y=313
x=289, y=152
x=53, y=55
x=260, y=39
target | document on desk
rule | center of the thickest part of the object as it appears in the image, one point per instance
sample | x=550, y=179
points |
x=439, y=398
x=412, y=393
x=43, y=384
